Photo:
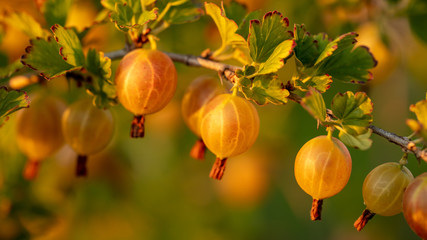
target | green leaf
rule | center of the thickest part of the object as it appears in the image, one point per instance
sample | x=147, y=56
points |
x=235, y=11
x=276, y=59
x=417, y=15
x=353, y=116
x=10, y=69
x=10, y=102
x=56, y=11
x=338, y=45
x=122, y=16
x=264, y=89
x=71, y=49
x=182, y=12
x=344, y=62
x=362, y=142
x=339, y=58
x=244, y=25
x=249, y=70
x=353, y=111
x=106, y=98
x=308, y=47
x=227, y=29
x=420, y=125
x=314, y=104
x=148, y=16
x=265, y=36
x=98, y=64
x=178, y=11
x=27, y=24
x=43, y=56
x=102, y=88
x=320, y=83
x=104, y=93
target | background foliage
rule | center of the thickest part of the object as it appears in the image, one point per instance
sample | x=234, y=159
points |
x=151, y=189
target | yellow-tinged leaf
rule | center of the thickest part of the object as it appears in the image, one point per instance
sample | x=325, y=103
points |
x=227, y=29
x=420, y=126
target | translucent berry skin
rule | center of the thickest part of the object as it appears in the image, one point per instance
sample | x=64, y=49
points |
x=198, y=94
x=39, y=127
x=384, y=186
x=322, y=167
x=87, y=129
x=230, y=125
x=145, y=81
x=415, y=205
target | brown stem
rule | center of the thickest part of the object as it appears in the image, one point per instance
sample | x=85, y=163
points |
x=199, y=149
x=403, y=142
x=316, y=209
x=190, y=60
x=195, y=61
x=137, y=127
x=81, y=169
x=363, y=219
x=31, y=169
x=218, y=168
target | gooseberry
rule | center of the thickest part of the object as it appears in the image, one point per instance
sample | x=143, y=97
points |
x=415, y=205
x=146, y=82
x=39, y=132
x=87, y=130
x=197, y=95
x=383, y=190
x=322, y=169
x=229, y=127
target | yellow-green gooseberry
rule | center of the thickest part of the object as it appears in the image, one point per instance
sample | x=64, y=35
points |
x=87, y=129
x=383, y=190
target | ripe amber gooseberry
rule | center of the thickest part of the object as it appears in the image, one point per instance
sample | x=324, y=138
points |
x=415, y=205
x=146, y=81
x=87, y=130
x=383, y=191
x=39, y=131
x=229, y=127
x=198, y=94
x=322, y=169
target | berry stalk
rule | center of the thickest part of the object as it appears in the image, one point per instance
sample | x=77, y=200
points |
x=199, y=149
x=81, y=169
x=218, y=168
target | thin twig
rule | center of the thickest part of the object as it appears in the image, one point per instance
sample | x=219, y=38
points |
x=114, y=55
x=405, y=143
x=189, y=60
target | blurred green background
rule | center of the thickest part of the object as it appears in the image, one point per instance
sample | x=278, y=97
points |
x=151, y=189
